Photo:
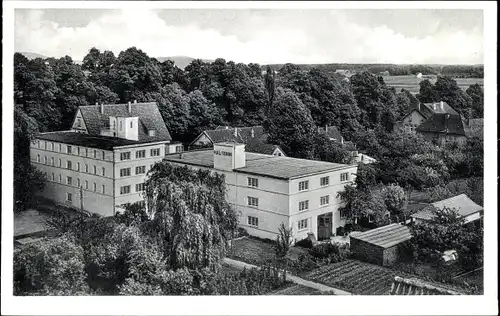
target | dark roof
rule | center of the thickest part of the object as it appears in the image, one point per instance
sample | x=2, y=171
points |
x=226, y=134
x=279, y=167
x=259, y=146
x=331, y=132
x=401, y=286
x=87, y=140
x=385, y=236
x=462, y=203
x=443, y=123
x=435, y=107
x=148, y=113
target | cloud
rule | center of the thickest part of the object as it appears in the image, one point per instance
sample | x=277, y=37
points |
x=271, y=37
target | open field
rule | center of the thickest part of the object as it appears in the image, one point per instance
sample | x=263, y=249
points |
x=411, y=82
x=361, y=278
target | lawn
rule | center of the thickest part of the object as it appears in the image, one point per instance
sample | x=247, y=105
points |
x=411, y=82
x=256, y=251
x=361, y=278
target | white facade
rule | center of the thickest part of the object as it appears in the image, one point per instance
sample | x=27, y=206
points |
x=264, y=202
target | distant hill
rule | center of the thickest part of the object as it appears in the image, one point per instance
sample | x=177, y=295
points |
x=181, y=61
x=33, y=55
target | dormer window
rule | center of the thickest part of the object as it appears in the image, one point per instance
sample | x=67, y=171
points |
x=152, y=132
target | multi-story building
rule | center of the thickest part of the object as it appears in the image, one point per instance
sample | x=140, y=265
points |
x=101, y=163
x=268, y=190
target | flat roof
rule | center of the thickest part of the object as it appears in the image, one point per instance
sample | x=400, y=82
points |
x=260, y=164
x=87, y=140
x=385, y=236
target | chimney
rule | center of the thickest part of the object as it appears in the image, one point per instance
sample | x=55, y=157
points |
x=135, y=101
x=129, y=107
x=434, y=106
x=227, y=127
x=252, y=133
x=102, y=108
x=441, y=105
x=235, y=132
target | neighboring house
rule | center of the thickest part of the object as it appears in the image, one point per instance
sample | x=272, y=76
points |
x=381, y=245
x=467, y=209
x=345, y=72
x=105, y=156
x=269, y=190
x=401, y=286
x=442, y=128
x=254, y=137
x=421, y=113
x=334, y=135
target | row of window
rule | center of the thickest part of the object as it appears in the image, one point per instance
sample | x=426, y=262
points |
x=125, y=172
x=96, y=154
x=304, y=185
x=139, y=187
x=301, y=224
x=78, y=184
x=69, y=165
x=155, y=152
x=303, y=205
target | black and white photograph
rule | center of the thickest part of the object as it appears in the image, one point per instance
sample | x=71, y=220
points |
x=212, y=155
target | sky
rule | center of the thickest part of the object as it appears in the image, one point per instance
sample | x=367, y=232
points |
x=261, y=36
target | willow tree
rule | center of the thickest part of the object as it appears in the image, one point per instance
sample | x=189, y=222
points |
x=190, y=215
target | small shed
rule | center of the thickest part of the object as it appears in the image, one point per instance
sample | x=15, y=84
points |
x=382, y=246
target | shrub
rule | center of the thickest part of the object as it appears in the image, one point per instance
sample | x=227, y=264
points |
x=304, y=243
x=330, y=252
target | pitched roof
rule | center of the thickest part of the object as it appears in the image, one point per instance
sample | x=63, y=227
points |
x=435, y=107
x=278, y=167
x=443, y=123
x=260, y=147
x=385, y=236
x=462, y=203
x=331, y=132
x=88, y=140
x=148, y=113
x=401, y=286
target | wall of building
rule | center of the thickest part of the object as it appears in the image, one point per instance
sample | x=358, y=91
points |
x=148, y=161
x=366, y=252
x=410, y=122
x=201, y=141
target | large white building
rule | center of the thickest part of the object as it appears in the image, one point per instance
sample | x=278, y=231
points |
x=105, y=156
x=269, y=190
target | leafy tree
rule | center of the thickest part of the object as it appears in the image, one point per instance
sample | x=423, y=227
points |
x=327, y=150
x=427, y=92
x=290, y=125
x=362, y=204
x=448, y=91
x=476, y=94
x=395, y=198
x=27, y=179
x=366, y=176
x=269, y=80
x=50, y=267
x=174, y=106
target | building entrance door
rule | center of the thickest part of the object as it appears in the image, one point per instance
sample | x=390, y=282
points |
x=325, y=226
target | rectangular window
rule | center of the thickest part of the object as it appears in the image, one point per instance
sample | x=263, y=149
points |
x=60, y=178
x=69, y=180
x=253, y=221
x=53, y=177
x=60, y=162
x=324, y=181
x=125, y=189
x=103, y=189
x=324, y=200
x=69, y=164
x=140, y=154
x=140, y=170
x=125, y=156
x=344, y=177
x=253, y=201
x=78, y=166
x=68, y=149
x=302, y=224
x=86, y=152
x=52, y=146
x=52, y=161
x=343, y=214
x=60, y=148
x=178, y=149
x=45, y=145
x=86, y=185
x=95, y=153
x=139, y=187
x=78, y=182
x=304, y=205
x=78, y=151
x=45, y=160
x=103, y=171
x=95, y=187
x=103, y=155
x=95, y=170
x=37, y=158
x=125, y=172
x=155, y=152
x=69, y=197
x=253, y=182
x=304, y=185
x=86, y=168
